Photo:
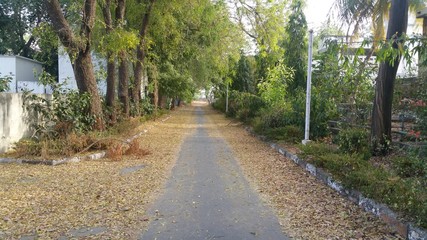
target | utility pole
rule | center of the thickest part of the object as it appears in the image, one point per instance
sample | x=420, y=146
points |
x=308, y=96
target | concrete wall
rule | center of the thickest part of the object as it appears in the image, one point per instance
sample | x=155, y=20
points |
x=13, y=120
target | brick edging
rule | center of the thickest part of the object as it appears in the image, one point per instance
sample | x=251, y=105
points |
x=407, y=230
x=93, y=156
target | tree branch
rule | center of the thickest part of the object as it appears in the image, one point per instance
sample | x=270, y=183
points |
x=61, y=26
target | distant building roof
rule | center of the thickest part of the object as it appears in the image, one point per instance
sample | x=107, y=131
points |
x=20, y=57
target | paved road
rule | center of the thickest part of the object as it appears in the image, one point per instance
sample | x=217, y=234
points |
x=207, y=196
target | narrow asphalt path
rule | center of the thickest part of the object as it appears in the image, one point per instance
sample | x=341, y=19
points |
x=207, y=196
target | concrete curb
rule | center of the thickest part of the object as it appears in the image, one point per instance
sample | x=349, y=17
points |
x=89, y=157
x=407, y=230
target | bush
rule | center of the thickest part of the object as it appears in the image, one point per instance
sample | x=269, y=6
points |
x=290, y=133
x=68, y=111
x=274, y=117
x=410, y=166
x=354, y=140
x=219, y=104
x=408, y=194
x=4, y=83
x=245, y=106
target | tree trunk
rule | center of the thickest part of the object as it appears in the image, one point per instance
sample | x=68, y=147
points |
x=382, y=109
x=110, y=97
x=83, y=71
x=124, y=83
x=138, y=75
x=140, y=56
x=80, y=46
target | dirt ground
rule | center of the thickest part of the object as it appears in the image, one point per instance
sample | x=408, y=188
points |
x=49, y=202
x=52, y=202
x=306, y=208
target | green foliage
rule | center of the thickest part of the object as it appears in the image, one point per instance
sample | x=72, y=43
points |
x=290, y=133
x=118, y=40
x=47, y=42
x=406, y=195
x=410, y=165
x=317, y=149
x=354, y=140
x=175, y=85
x=196, y=37
x=66, y=112
x=244, y=80
x=273, y=89
x=345, y=79
x=17, y=19
x=146, y=107
x=295, y=45
x=4, y=83
x=274, y=117
x=244, y=106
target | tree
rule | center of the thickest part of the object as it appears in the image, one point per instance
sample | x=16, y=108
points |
x=295, y=45
x=355, y=12
x=123, y=61
x=18, y=18
x=79, y=49
x=111, y=62
x=141, y=53
x=262, y=21
x=382, y=110
x=243, y=80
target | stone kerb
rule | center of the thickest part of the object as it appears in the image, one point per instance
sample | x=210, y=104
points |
x=407, y=230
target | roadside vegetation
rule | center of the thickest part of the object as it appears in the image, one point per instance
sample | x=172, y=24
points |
x=152, y=56
x=391, y=169
x=158, y=53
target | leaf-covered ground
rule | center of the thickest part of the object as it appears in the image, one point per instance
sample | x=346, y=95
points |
x=50, y=202
x=307, y=209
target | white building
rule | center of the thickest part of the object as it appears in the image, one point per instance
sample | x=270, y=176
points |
x=22, y=72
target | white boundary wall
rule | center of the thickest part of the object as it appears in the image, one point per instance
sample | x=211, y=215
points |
x=13, y=120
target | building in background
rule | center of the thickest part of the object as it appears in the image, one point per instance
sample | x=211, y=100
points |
x=23, y=74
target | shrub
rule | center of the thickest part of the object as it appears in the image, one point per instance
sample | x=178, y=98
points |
x=146, y=106
x=4, y=83
x=219, y=104
x=317, y=149
x=410, y=166
x=275, y=117
x=407, y=194
x=245, y=106
x=288, y=133
x=353, y=140
x=68, y=111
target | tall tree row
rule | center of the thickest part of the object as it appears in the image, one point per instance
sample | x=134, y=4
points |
x=190, y=41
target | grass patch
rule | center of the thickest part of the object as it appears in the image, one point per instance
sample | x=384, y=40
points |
x=402, y=185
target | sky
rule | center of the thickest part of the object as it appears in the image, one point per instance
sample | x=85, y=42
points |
x=316, y=12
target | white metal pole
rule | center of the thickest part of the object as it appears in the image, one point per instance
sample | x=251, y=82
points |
x=226, y=101
x=308, y=97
